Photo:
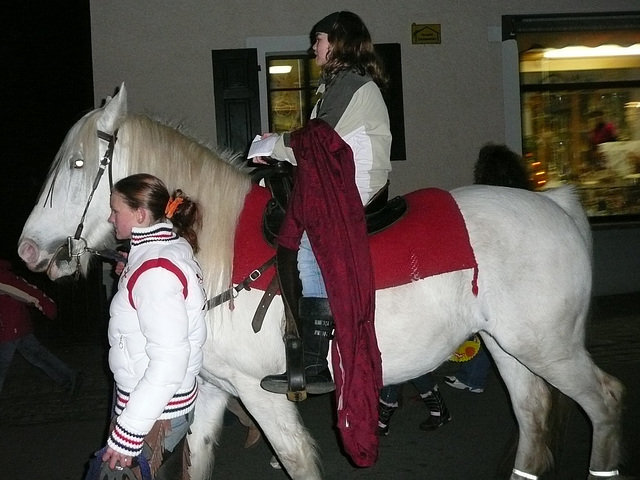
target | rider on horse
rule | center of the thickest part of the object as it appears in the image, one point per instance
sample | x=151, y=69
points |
x=351, y=103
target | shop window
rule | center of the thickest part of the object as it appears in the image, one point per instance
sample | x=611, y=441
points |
x=580, y=106
x=292, y=81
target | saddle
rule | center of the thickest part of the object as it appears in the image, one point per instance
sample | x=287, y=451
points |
x=380, y=212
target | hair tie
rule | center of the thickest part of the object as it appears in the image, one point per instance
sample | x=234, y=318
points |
x=172, y=206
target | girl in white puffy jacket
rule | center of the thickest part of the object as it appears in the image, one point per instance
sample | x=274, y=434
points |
x=157, y=327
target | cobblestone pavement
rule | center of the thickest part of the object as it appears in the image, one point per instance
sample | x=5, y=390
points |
x=39, y=422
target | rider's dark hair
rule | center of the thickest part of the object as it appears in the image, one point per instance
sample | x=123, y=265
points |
x=351, y=47
x=143, y=190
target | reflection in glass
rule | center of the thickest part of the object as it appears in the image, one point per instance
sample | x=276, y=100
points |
x=292, y=81
x=581, y=125
x=286, y=110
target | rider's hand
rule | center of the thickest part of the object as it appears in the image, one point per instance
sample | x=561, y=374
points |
x=262, y=160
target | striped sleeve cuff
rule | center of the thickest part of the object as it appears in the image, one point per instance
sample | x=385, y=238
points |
x=125, y=441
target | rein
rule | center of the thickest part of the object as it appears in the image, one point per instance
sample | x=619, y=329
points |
x=76, y=246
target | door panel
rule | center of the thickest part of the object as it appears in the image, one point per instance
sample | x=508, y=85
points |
x=236, y=97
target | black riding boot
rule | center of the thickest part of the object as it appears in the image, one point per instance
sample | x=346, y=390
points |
x=317, y=325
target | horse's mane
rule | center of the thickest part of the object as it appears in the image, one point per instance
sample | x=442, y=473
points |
x=216, y=180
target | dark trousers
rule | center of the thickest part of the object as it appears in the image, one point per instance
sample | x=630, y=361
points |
x=36, y=354
x=424, y=384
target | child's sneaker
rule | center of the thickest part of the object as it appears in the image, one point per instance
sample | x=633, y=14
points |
x=452, y=381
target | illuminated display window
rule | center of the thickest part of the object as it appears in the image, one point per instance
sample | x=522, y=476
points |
x=580, y=108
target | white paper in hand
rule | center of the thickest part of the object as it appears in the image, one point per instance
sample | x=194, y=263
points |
x=262, y=147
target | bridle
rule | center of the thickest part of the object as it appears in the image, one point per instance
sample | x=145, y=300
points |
x=104, y=164
x=76, y=246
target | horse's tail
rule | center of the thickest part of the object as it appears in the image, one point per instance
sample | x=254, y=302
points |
x=567, y=198
x=557, y=424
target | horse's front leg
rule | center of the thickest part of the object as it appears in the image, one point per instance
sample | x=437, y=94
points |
x=281, y=423
x=205, y=430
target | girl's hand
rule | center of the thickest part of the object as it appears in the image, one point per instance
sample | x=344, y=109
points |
x=120, y=265
x=116, y=459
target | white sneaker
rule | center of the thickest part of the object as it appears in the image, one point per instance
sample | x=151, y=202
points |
x=275, y=463
x=452, y=381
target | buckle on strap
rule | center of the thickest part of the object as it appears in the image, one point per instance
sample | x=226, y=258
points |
x=253, y=276
x=244, y=285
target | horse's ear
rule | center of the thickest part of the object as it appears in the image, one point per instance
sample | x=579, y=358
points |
x=114, y=111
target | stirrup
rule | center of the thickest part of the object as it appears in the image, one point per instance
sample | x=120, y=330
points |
x=317, y=384
x=296, y=381
x=292, y=382
x=320, y=383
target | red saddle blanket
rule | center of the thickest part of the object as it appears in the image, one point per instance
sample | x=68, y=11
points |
x=430, y=239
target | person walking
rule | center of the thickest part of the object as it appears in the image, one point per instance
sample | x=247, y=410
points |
x=496, y=165
x=429, y=393
x=17, y=296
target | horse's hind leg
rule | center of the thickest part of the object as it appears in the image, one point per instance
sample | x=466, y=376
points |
x=531, y=402
x=281, y=424
x=206, y=427
x=600, y=395
x=605, y=412
x=573, y=372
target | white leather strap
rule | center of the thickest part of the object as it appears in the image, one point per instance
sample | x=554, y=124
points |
x=604, y=474
x=528, y=476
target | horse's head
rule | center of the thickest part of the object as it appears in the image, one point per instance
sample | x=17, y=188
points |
x=71, y=213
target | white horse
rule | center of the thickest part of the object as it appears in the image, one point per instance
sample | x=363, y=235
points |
x=533, y=252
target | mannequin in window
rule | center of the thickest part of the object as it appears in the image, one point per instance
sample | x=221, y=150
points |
x=603, y=131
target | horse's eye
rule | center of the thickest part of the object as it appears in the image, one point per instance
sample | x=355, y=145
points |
x=78, y=162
